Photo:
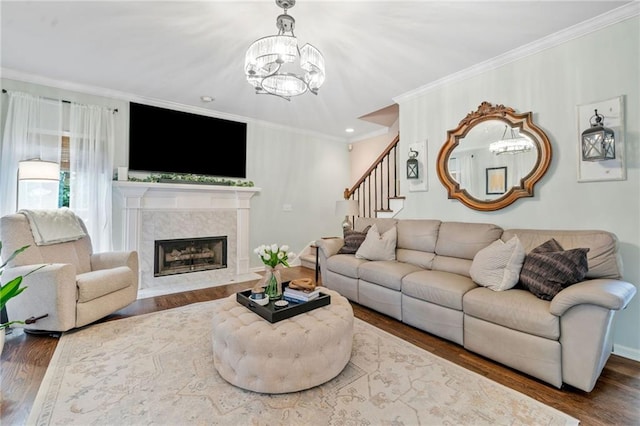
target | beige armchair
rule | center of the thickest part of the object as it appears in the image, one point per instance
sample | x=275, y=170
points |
x=75, y=288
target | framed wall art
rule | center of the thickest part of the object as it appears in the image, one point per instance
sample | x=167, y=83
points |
x=496, y=180
x=595, y=162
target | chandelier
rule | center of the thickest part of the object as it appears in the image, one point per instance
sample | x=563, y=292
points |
x=270, y=62
x=512, y=145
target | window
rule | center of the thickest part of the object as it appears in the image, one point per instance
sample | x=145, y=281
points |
x=63, y=200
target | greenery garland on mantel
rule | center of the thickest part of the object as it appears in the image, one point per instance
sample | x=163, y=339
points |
x=190, y=179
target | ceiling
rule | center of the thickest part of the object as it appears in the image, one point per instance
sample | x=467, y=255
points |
x=176, y=52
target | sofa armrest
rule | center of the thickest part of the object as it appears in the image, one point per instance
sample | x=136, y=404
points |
x=330, y=246
x=50, y=290
x=607, y=293
x=113, y=259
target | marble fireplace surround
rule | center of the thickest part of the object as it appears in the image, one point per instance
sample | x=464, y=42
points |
x=145, y=212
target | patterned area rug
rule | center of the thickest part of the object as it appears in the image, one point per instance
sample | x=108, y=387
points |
x=158, y=369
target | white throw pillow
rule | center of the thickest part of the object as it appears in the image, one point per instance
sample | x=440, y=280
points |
x=498, y=265
x=378, y=247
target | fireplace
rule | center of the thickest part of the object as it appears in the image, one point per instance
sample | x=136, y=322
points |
x=184, y=255
x=145, y=212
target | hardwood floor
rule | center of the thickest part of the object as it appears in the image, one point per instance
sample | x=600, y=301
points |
x=614, y=401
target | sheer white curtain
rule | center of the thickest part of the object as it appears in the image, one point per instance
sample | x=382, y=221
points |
x=33, y=129
x=91, y=148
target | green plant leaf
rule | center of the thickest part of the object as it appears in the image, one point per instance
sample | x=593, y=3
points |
x=10, y=290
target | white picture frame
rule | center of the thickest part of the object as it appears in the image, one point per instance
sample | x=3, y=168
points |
x=614, y=169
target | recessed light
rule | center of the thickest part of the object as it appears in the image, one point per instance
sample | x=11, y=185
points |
x=349, y=130
x=207, y=98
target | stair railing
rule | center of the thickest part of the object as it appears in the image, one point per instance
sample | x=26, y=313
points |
x=379, y=184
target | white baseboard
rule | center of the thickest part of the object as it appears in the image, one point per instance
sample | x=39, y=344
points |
x=627, y=352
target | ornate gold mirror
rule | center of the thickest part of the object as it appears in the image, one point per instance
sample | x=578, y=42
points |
x=493, y=157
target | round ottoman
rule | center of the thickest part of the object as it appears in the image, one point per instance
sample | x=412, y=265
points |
x=294, y=354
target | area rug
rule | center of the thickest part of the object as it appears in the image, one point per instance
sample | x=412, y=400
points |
x=157, y=369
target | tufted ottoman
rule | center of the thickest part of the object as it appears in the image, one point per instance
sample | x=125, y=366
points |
x=294, y=354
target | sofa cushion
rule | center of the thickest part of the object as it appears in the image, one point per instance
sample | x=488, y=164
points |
x=458, y=243
x=345, y=264
x=438, y=287
x=418, y=234
x=387, y=273
x=353, y=240
x=383, y=224
x=548, y=246
x=463, y=240
x=604, y=259
x=378, y=246
x=546, y=271
x=416, y=257
x=515, y=309
x=498, y=265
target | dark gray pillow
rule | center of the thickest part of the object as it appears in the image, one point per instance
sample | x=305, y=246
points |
x=548, y=269
x=353, y=240
x=548, y=246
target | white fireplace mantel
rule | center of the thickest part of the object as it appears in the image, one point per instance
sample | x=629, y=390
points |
x=131, y=198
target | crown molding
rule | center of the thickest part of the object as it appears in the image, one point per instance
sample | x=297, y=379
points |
x=589, y=26
x=11, y=74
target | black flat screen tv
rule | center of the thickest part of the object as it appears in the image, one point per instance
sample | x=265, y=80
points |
x=169, y=141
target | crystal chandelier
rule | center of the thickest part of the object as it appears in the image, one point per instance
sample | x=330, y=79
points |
x=270, y=61
x=512, y=145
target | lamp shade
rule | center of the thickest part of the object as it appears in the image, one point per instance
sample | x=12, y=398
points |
x=347, y=208
x=36, y=169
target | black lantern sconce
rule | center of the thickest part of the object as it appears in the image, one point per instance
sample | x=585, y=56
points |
x=598, y=142
x=412, y=165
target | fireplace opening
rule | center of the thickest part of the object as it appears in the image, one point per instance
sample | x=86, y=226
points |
x=180, y=256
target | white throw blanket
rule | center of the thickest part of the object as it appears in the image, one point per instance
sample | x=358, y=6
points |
x=54, y=226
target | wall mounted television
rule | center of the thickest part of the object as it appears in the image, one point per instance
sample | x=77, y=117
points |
x=169, y=141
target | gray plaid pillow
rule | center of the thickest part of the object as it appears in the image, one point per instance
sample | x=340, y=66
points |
x=548, y=269
x=353, y=240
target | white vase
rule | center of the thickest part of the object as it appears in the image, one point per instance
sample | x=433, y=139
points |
x=2, y=334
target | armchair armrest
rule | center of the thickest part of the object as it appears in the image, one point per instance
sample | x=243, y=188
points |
x=607, y=293
x=50, y=290
x=113, y=259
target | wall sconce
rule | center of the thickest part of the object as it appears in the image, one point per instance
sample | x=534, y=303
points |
x=38, y=183
x=598, y=142
x=347, y=208
x=412, y=165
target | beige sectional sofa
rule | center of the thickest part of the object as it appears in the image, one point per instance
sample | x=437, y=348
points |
x=428, y=285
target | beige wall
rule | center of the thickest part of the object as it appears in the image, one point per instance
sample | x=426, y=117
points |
x=364, y=152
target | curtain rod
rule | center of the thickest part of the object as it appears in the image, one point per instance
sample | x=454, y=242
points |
x=63, y=100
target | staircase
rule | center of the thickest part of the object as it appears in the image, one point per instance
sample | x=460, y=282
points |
x=377, y=190
x=308, y=257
